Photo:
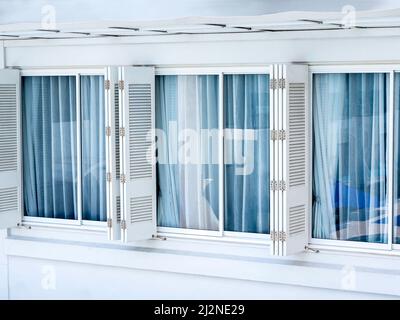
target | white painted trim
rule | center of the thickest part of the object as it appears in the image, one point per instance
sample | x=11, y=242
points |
x=2, y=55
x=349, y=244
x=247, y=235
x=212, y=70
x=354, y=68
x=221, y=167
x=188, y=232
x=99, y=224
x=310, y=142
x=62, y=71
x=26, y=220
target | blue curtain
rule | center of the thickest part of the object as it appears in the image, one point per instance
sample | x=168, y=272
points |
x=49, y=147
x=93, y=148
x=187, y=167
x=246, y=117
x=350, y=156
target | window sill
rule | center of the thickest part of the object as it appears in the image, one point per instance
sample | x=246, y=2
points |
x=328, y=269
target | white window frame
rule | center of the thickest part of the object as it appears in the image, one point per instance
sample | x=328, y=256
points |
x=389, y=69
x=221, y=234
x=56, y=222
x=390, y=248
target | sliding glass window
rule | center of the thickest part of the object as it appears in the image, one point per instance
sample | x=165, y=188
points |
x=396, y=171
x=190, y=120
x=350, y=156
x=63, y=152
x=188, y=146
x=246, y=121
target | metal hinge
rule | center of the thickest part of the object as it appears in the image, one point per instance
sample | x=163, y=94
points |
x=273, y=135
x=107, y=84
x=109, y=177
x=278, y=236
x=123, y=224
x=273, y=84
x=109, y=223
x=279, y=185
x=122, y=178
x=121, y=84
x=122, y=132
x=282, y=185
x=282, y=135
x=278, y=135
x=282, y=83
x=108, y=131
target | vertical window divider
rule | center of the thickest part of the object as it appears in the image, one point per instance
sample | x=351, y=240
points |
x=390, y=182
x=79, y=148
x=221, y=152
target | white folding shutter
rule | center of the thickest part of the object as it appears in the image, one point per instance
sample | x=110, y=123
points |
x=274, y=160
x=295, y=159
x=138, y=184
x=112, y=153
x=10, y=149
x=289, y=179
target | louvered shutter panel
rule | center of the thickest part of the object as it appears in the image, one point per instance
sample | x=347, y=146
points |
x=289, y=152
x=10, y=149
x=112, y=153
x=138, y=185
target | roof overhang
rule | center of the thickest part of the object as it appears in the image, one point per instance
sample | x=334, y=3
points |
x=286, y=22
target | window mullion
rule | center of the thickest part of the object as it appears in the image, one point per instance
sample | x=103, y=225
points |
x=79, y=148
x=390, y=174
x=221, y=153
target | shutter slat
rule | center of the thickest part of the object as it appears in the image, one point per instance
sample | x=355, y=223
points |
x=138, y=206
x=10, y=159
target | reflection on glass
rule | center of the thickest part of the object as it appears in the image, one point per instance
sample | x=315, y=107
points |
x=246, y=121
x=396, y=171
x=49, y=146
x=93, y=148
x=187, y=149
x=350, y=156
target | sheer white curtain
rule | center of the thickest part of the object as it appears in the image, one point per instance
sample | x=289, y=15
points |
x=246, y=113
x=186, y=115
x=49, y=146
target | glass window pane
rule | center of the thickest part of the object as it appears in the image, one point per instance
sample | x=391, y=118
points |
x=49, y=146
x=187, y=149
x=93, y=148
x=246, y=121
x=396, y=165
x=350, y=156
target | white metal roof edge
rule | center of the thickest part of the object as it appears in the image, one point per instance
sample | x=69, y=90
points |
x=278, y=18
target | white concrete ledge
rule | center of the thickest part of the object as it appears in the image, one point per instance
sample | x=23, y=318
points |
x=351, y=272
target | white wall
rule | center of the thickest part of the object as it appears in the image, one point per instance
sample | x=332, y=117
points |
x=33, y=279
x=87, y=270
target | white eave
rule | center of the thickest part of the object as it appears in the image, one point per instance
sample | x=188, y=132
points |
x=298, y=23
